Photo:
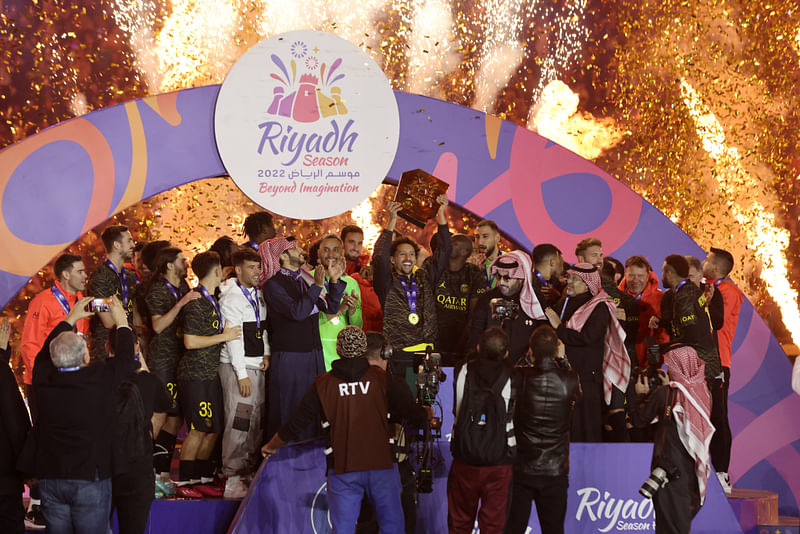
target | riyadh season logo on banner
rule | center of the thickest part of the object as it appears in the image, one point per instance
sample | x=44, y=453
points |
x=612, y=514
x=306, y=124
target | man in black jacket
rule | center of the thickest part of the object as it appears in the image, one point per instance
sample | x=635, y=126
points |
x=14, y=426
x=69, y=448
x=542, y=419
x=513, y=274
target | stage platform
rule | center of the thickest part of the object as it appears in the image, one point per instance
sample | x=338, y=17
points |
x=288, y=496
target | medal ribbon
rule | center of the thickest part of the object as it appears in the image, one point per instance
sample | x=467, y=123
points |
x=411, y=294
x=176, y=292
x=540, y=276
x=564, y=308
x=61, y=298
x=213, y=302
x=123, y=281
x=680, y=285
x=720, y=280
x=253, y=245
x=253, y=303
x=68, y=369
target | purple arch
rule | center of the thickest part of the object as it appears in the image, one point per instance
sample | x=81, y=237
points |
x=495, y=169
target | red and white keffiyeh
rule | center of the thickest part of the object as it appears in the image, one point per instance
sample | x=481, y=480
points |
x=270, y=252
x=616, y=364
x=524, y=270
x=692, y=409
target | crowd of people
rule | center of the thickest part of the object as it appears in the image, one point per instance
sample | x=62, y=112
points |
x=277, y=343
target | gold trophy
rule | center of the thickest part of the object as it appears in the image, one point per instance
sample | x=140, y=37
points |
x=417, y=192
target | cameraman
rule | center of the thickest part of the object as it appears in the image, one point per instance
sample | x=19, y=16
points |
x=353, y=398
x=399, y=394
x=682, y=438
x=519, y=309
x=542, y=419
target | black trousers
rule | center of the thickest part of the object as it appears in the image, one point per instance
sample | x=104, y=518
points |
x=550, y=496
x=676, y=504
x=720, y=448
x=12, y=514
x=587, y=417
x=132, y=496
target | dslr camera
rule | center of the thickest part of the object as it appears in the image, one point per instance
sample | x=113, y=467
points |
x=503, y=309
x=659, y=478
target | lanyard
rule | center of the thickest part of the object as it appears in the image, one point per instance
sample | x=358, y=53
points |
x=252, y=244
x=540, y=276
x=680, y=285
x=213, y=302
x=68, y=369
x=638, y=297
x=123, y=281
x=176, y=292
x=61, y=298
x=564, y=308
x=253, y=303
x=720, y=280
x=411, y=293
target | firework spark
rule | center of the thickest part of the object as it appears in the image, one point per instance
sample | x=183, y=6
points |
x=763, y=235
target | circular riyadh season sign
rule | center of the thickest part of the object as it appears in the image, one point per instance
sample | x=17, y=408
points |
x=306, y=124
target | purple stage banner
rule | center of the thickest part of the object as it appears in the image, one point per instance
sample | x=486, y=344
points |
x=289, y=495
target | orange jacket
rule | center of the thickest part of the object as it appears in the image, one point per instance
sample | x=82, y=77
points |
x=732, y=298
x=649, y=305
x=44, y=313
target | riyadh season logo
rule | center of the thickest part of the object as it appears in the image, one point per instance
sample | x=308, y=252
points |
x=612, y=514
x=306, y=124
x=303, y=98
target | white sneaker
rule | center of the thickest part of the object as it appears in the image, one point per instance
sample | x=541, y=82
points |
x=235, y=488
x=725, y=482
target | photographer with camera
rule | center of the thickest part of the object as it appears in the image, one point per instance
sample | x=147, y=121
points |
x=353, y=400
x=680, y=464
x=546, y=396
x=69, y=449
x=483, y=443
x=404, y=429
x=511, y=305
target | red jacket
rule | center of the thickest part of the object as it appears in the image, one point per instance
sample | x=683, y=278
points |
x=44, y=313
x=371, y=312
x=649, y=305
x=732, y=298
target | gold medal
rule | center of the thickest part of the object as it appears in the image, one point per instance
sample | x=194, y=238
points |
x=413, y=318
x=258, y=334
x=335, y=320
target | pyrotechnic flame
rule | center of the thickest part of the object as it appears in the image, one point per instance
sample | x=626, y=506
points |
x=363, y=217
x=196, y=44
x=431, y=48
x=769, y=241
x=556, y=117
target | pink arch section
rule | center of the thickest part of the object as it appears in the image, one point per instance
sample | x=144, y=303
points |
x=496, y=170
